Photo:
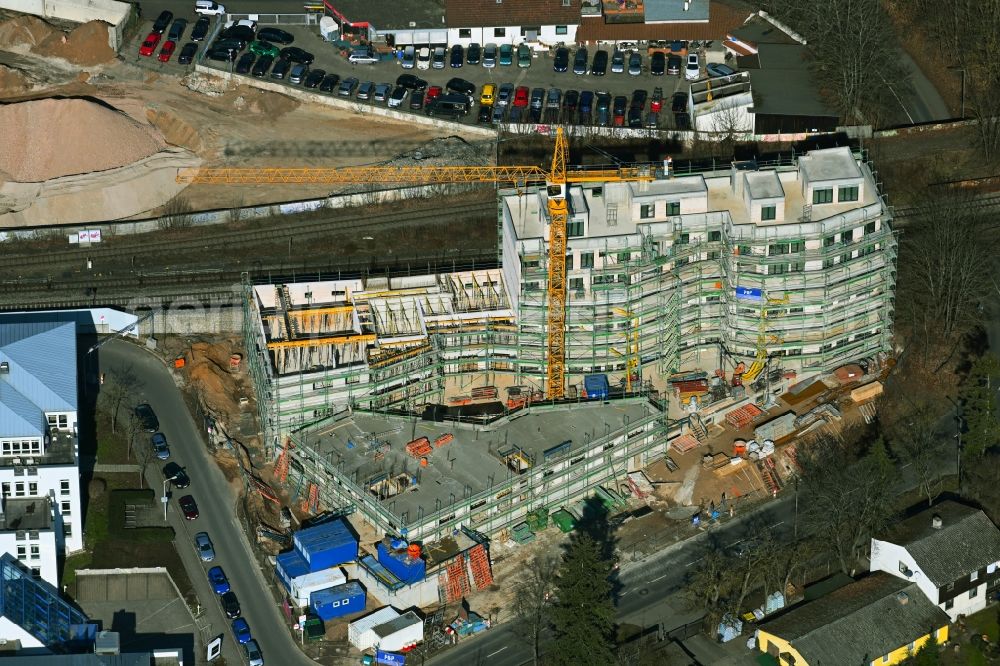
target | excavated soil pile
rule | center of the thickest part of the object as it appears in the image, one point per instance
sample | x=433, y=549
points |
x=208, y=371
x=50, y=138
x=27, y=31
x=87, y=44
x=12, y=81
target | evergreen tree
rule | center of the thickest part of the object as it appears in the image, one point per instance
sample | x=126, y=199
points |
x=979, y=406
x=928, y=655
x=583, y=616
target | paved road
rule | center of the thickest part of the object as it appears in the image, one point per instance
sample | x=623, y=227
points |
x=216, y=504
x=921, y=101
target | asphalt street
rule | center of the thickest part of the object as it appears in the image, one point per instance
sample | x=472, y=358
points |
x=216, y=505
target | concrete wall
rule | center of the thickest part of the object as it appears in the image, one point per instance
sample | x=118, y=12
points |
x=79, y=11
x=188, y=316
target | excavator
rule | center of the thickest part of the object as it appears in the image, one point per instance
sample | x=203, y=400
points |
x=557, y=180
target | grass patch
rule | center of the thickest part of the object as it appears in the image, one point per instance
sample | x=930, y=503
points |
x=985, y=622
x=116, y=519
x=112, y=448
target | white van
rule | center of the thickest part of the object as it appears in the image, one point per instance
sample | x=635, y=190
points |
x=209, y=8
x=409, y=57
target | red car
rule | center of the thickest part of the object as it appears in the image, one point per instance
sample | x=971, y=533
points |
x=656, y=102
x=432, y=92
x=189, y=507
x=149, y=45
x=166, y=51
x=521, y=96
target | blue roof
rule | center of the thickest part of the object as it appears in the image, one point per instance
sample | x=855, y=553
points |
x=36, y=606
x=292, y=564
x=42, y=376
x=322, y=537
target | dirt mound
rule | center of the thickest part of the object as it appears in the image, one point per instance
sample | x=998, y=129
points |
x=12, y=81
x=50, y=138
x=208, y=370
x=24, y=31
x=87, y=44
x=175, y=131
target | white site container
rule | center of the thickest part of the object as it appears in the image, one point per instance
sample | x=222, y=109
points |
x=400, y=633
x=303, y=586
x=361, y=633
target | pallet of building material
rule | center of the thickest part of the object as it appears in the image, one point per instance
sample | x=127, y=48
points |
x=743, y=416
x=484, y=393
x=443, y=439
x=684, y=443
x=419, y=447
x=776, y=429
x=714, y=460
x=538, y=519
x=459, y=400
x=734, y=466
x=867, y=392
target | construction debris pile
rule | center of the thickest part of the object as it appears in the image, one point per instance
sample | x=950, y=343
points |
x=87, y=44
x=214, y=370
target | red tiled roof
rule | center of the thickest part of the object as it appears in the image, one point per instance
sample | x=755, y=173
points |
x=484, y=13
x=722, y=19
x=740, y=49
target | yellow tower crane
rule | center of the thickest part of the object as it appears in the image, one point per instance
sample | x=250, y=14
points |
x=556, y=179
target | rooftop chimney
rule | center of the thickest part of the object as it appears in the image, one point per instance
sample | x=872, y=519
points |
x=4, y=368
x=903, y=598
x=936, y=522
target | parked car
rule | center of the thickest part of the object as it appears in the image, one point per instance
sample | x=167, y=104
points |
x=231, y=605
x=363, y=56
x=254, y=657
x=617, y=62
x=417, y=100
x=486, y=96
x=365, y=90
x=241, y=630
x=490, y=56
x=424, y=58
x=160, y=448
x=600, y=64
x=176, y=475
x=652, y=120
x=506, y=55
x=249, y=24
x=162, y=21
x=397, y=97
x=411, y=82
x=166, y=51
x=187, y=53
x=586, y=102
x=619, y=105
x=504, y=93
x=276, y=36
x=189, y=507
x=314, y=78
x=149, y=44
x=347, y=87
x=634, y=117
x=409, y=59
x=473, y=54
x=177, y=29
x=553, y=98
x=295, y=54
x=523, y=56
x=230, y=44
x=679, y=102
x=261, y=67
x=280, y=69
x=521, y=96
x=147, y=417
x=693, y=70
x=329, y=83
x=450, y=104
x=499, y=113
x=603, y=105
x=674, y=64
x=203, y=544
x=658, y=63
x=635, y=64
x=484, y=115
x=561, y=61
x=537, y=98
x=437, y=60
x=264, y=48
x=242, y=32
x=570, y=101
x=461, y=86
x=245, y=63
x=718, y=69
x=382, y=91
x=638, y=99
x=222, y=54
x=200, y=30
x=220, y=583
x=432, y=93
x=457, y=55
x=580, y=61
x=656, y=101
x=209, y=8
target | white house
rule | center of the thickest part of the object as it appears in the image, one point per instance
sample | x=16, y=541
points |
x=951, y=552
x=544, y=22
x=39, y=453
x=722, y=106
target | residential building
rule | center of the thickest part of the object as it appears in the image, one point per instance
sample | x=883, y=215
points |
x=876, y=620
x=611, y=21
x=786, y=97
x=951, y=552
x=543, y=22
x=39, y=456
x=33, y=617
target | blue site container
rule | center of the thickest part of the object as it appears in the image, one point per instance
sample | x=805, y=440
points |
x=596, y=387
x=290, y=565
x=400, y=565
x=340, y=600
x=326, y=545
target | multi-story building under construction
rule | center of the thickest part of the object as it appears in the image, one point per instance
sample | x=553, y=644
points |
x=734, y=271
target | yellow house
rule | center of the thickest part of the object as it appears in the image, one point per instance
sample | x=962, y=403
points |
x=877, y=620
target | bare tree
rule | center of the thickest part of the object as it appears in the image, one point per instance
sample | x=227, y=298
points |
x=144, y=454
x=709, y=583
x=730, y=124
x=133, y=432
x=120, y=384
x=531, y=601
x=913, y=437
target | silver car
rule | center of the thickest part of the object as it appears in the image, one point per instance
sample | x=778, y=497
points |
x=204, y=545
x=253, y=653
x=635, y=64
x=382, y=91
x=617, y=62
x=490, y=56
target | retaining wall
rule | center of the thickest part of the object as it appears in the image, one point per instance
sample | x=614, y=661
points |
x=79, y=11
x=190, y=316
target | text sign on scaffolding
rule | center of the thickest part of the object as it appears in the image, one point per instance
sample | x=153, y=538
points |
x=749, y=294
x=390, y=658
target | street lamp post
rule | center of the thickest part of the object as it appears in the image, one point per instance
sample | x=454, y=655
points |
x=163, y=500
x=960, y=425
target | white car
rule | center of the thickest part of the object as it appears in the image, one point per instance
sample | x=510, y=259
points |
x=362, y=57
x=209, y=8
x=693, y=70
x=246, y=23
x=424, y=58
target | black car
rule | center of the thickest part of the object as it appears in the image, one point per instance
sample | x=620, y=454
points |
x=231, y=605
x=329, y=83
x=315, y=78
x=570, y=101
x=262, y=65
x=561, y=62
x=177, y=30
x=603, y=101
x=457, y=55
x=243, y=32
x=600, y=65
x=176, y=475
x=638, y=99
x=674, y=64
x=485, y=114
x=233, y=44
x=281, y=68
x=635, y=117
x=200, y=30
x=473, y=54
x=147, y=418
x=162, y=21
x=619, y=105
x=658, y=64
x=461, y=86
x=187, y=53
x=245, y=63
x=417, y=100
x=295, y=54
x=222, y=55
x=679, y=102
x=580, y=61
x=275, y=36
x=411, y=82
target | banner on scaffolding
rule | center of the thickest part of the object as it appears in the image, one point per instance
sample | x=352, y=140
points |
x=749, y=294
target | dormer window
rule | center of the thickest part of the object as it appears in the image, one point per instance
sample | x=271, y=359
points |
x=847, y=193
x=768, y=213
x=823, y=196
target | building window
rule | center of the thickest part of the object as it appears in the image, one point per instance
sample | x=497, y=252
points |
x=777, y=269
x=948, y=605
x=6, y=489
x=22, y=553
x=499, y=32
x=569, y=262
x=19, y=489
x=949, y=587
x=576, y=284
x=870, y=228
x=684, y=239
x=623, y=257
x=64, y=487
x=909, y=648
x=848, y=194
x=32, y=489
x=768, y=213
x=714, y=236
x=67, y=529
x=35, y=555
x=586, y=260
x=465, y=33
x=533, y=29
x=647, y=211
x=777, y=248
x=574, y=229
x=744, y=250
x=561, y=29
x=885, y=659
x=823, y=196
x=903, y=569
x=828, y=241
x=847, y=237
x=973, y=592
x=673, y=208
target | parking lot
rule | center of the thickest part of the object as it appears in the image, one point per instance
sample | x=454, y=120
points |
x=539, y=75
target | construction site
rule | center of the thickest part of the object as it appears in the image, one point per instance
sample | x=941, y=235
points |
x=637, y=314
